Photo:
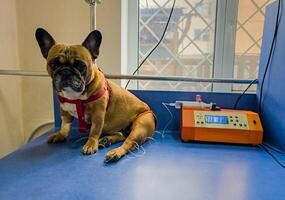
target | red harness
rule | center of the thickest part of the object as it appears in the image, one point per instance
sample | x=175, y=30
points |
x=80, y=107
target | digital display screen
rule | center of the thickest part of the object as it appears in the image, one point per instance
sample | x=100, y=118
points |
x=217, y=119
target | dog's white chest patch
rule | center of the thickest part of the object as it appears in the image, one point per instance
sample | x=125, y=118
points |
x=70, y=108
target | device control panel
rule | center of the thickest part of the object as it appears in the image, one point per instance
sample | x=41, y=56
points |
x=219, y=119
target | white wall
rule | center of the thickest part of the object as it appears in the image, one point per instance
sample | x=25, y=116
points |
x=30, y=102
x=109, y=23
x=67, y=21
x=11, y=131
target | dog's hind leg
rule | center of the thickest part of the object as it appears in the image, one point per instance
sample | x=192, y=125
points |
x=142, y=128
x=111, y=138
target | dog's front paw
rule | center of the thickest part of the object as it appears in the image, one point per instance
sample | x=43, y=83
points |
x=114, y=155
x=90, y=147
x=104, y=142
x=56, y=138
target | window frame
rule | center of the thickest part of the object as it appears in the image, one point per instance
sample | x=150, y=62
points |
x=129, y=40
x=225, y=40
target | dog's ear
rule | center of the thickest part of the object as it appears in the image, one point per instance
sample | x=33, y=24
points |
x=45, y=41
x=93, y=42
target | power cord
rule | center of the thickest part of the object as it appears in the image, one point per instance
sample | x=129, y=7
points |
x=266, y=147
x=268, y=150
x=240, y=96
x=278, y=19
x=149, y=54
x=273, y=148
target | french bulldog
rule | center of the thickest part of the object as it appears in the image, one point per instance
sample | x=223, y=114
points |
x=114, y=114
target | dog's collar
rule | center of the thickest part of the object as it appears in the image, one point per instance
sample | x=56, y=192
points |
x=80, y=106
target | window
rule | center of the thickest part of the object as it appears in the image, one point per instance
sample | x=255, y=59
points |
x=205, y=39
x=249, y=29
x=200, y=34
x=203, y=8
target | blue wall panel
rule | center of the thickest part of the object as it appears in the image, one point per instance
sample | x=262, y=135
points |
x=273, y=106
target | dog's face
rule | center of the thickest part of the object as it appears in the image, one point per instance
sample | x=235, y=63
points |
x=70, y=67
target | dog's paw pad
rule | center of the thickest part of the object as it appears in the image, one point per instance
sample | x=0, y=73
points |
x=56, y=138
x=104, y=142
x=90, y=147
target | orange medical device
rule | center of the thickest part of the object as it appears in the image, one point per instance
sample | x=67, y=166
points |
x=228, y=126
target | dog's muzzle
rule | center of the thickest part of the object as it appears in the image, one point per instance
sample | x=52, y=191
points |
x=68, y=78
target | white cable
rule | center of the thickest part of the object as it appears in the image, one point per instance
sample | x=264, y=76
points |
x=171, y=116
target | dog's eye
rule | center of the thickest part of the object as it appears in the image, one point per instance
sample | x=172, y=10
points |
x=53, y=64
x=80, y=66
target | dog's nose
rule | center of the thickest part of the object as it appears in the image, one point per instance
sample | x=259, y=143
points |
x=66, y=72
x=76, y=84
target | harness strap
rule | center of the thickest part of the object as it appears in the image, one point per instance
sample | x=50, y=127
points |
x=80, y=106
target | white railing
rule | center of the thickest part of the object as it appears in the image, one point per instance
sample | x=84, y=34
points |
x=137, y=77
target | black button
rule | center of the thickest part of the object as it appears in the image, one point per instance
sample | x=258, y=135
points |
x=254, y=121
x=240, y=124
x=235, y=124
x=202, y=122
x=198, y=122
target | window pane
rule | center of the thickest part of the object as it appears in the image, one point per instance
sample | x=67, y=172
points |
x=249, y=31
x=187, y=48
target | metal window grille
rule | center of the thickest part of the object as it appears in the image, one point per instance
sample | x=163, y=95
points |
x=188, y=48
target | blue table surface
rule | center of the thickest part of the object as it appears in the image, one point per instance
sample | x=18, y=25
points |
x=166, y=169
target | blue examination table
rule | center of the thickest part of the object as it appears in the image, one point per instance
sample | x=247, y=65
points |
x=165, y=169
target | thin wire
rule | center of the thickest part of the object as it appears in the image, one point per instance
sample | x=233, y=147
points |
x=149, y=54
x=266, y=147
x=240, y=96
x=272, y=155
x=136, y=152
x=274, y=149
x=278, y=19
